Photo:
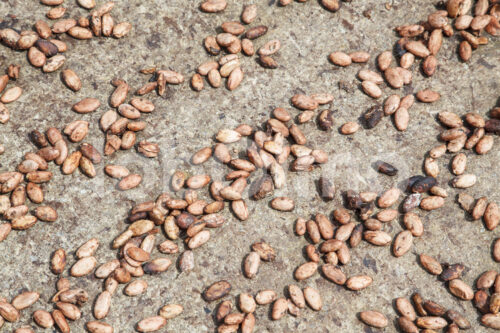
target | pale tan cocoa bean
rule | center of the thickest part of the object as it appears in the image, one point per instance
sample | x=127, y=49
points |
x=305, y=271
x=374, y=319
x=121, y=29
x=71, y=163
x=388, y=198
x=148, y=149
x=430, y=322
x=249, y=14
x=417, y=48
x=5, y=229
x=170, y=311
x=486, y=280
x=86, y=105
x=129, y=182
x=251, y=265
x=8, y=312
x=60, y=321
x=491, y=216
x=459, y=164
x=279, y=309
x=88, y=248
x=119, y=94
x=406, y=325
x=141, y=227
x=4, y=114
x=405, y=308
x=322, y=98
x=23, y=222
x=464, y=181
x=83, y=266
x=25, y=300
x=108, y=24
x=264, y=297
x=11, y=95
x=213, y=6
x=234, y=78
x=199, y=239
x=474, y=119
x=359, y=282
x=460, y=289
x=480, y=21
x=128, y=111
x=378, y=238
x=331, y=5
x=359, y=56
x=9, y=37
x=98, y=327
x=247, y=303
x=106, y=269
x=157, y=265
x=225, y=328
x=63, y=26
x=450, y=119
x=349, y=128
x=198, y=181
x=394, y=77
x=228, y=136
x=135, y=288
x=283, y=204
x=484, y=145
x=56, y=13
x=313, y=298
x=456, y=145
x=491, y=320
x=43, y=318
x=223, y=310
x=401, y=119
x=431, y=167
x=116, y=171
x=304, y=102
x=465, y=51
x=80, y=33
x=58, y=261
x=479, y=208
x=411, y=30
x=431, y=203
x=201, y=156
x=463, y=22
x=71, y=79
x=70, y=311
x=340, y=59
x=452, y=134
x=334, y=274
x=368, y=75
x=142, y=105
x=407, y=60
x=430, y=264
x=151, y=324
x=197, y=82
x=402, y=243
x=371, y=89
x=429, y=65
x=384, y=60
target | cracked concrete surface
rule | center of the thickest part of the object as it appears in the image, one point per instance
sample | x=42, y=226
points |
x=169, y=35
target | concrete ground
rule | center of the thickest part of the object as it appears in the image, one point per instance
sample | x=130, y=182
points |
x=169, y=35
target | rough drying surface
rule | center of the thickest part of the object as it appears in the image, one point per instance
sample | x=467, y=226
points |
x=169, y=34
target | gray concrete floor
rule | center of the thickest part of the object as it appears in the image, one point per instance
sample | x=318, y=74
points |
x=170, y=36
